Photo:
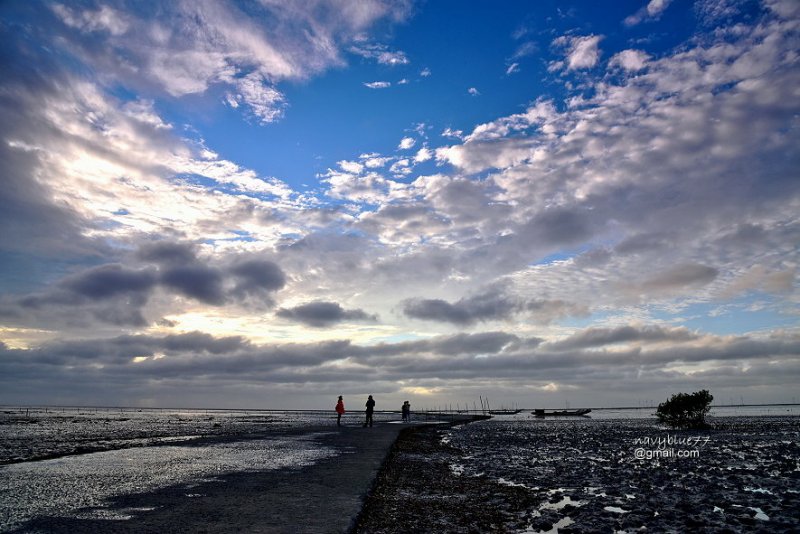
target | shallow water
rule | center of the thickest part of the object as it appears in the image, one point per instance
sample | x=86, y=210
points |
x=81, y=485
x=602, y=414
x=42, y=433
x=27, y=434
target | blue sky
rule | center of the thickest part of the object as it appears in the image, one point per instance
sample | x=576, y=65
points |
x=246, y=204
x=333, y=116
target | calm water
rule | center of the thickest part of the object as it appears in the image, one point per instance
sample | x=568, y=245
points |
x=82, y=484
x=42, y=433
x=722, y=411
x=602, y=414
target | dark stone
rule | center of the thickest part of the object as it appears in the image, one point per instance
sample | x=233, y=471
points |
x=695, y=521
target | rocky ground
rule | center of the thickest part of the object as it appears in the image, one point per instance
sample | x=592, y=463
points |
x=417, y=491
x=584, y=476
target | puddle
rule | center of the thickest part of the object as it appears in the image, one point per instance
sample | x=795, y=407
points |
x=566, y=500
x=615, y=509
x=759, y=490
x=561, y=523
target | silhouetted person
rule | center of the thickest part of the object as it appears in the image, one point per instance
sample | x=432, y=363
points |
x=406, y=412
x=339, y=411
x=370, y=408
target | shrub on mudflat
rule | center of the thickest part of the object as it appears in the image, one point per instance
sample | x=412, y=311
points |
x=685, y=410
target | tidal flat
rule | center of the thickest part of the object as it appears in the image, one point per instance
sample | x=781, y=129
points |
x=583, y=475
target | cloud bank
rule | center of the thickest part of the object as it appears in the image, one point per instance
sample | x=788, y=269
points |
x=630, y=232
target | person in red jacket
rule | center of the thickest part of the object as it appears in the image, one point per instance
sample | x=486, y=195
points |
x=339, y=411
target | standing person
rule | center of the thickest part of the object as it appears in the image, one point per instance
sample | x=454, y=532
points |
x=370, y=408
x=406, y=412
x=339, y=411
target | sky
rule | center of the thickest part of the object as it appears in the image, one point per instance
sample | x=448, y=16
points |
x=267, y=203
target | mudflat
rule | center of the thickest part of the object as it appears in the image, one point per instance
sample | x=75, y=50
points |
x=529, y=475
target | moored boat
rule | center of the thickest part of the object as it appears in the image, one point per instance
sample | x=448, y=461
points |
x=552, y=413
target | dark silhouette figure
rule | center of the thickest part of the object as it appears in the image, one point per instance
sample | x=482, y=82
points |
x=339, y=411
x=406, y=409
x=370, y=408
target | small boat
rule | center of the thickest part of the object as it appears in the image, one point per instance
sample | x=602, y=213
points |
x=560, y=413
x=504, y=412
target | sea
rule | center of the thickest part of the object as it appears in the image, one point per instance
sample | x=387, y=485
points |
x=70, y=461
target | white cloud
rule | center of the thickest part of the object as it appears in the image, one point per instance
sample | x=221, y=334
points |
x=126, y=173
x=449, y=132
x=217, y=43
x=104, y=19
x=381, y=54
x=787, y=9
x=711, y=12
x=479, y=156
x=582, y=52
x=587, y=155
x=652, y=11
x=425, y=72
x=421, y=128
x=374, y=161
x=630, y=60
x=353, y=167
x=377, y=85
x=144, y=112
x=656, y=7
x=423, y=154
x=227, y=172
x=370, y=187
x=401, y=167
x=540, y=113
x=393, y=58
x=525, y=49
x=514, y=67
x=266, y=102
x=406, y=143
x=208, y=154
x=473, y=91
x=231, y=100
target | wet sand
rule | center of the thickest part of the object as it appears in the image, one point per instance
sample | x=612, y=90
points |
x=583, y=476
x=417, y=491
x=323, y=497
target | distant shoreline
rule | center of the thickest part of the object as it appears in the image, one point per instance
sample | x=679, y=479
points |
x=4, y=407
